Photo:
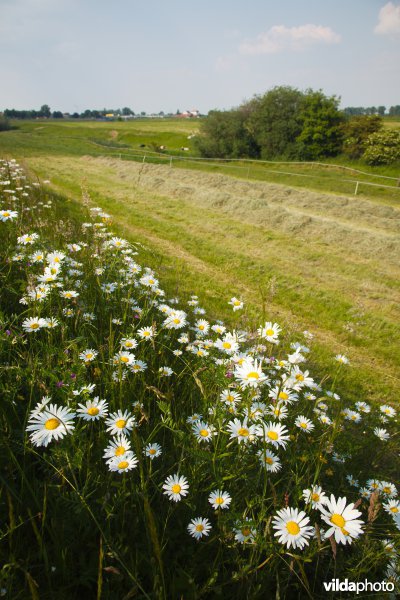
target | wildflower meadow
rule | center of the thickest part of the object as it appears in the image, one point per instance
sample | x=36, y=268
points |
x=149, y=450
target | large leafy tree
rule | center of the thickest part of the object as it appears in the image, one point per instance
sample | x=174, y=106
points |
x=320, y=121
x=356, y=132
x=275, y=122
x=226, y=134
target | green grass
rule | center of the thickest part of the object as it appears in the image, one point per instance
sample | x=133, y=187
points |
x=328, y=278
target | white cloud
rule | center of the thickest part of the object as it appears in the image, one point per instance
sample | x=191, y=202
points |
x=389, y=20
x=280, y=37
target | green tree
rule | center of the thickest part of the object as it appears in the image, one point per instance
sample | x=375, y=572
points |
x=356, y=132
x=321, y=134
x=45, y=111
x=275, y=122
x=225, y=134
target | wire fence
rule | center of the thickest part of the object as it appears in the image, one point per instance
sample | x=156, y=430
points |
x=246, y=165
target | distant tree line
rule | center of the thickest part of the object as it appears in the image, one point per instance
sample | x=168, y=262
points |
x=288, y=124
x=45, y=112
x=394, y=111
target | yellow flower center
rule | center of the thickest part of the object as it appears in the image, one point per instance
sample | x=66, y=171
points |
x=93, y=411
x=200, y=527
x=119, y=451
x=243, y=432
x=136, y=367
x=268, y=460
x=89, y=355
x=204, y=432
x=219, y=500
x=253, y=375
x=152, y=451
x=315, y=497
x=303, y=425
x=246, y=531
x=292, y=527
x=151, y=281
x=146, y=333
x=52, y=424
x=272, y=435
x=283, y=395
x=270, y=332
x=120, y=423
x=394, y=509
x=300, y=377
x=227, y=345
x=123, y=464
x=201, y=327
x=230, y=398
x=176, y=488
x=34, y=325
x=124, y=359
x=387, y=490
x=338, y=520
x=128, y=344
x=6, y=214
x=177, y=321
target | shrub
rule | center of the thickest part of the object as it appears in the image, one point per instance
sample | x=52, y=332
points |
x=382, y=148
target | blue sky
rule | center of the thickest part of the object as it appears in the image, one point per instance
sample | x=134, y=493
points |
x=157, y=55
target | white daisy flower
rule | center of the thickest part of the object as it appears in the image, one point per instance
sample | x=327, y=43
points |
x=8, y=215
x=249, y=373
x=274, y=433
x=175, y=487
x=52, y=422
x=123, y=463
x=120, y=422
x=242, y=431
x=146, y=333
x=138, y=366
x=342, y=359
x=382, y=434
x=315, y=496
x=33, y=324
x=342, y=519
x=93, y=409
x=245, y=533
x=219, y=499
x=304, y=424
x=388, y=489
x=269, y=460
x=123, y=358
x=199, y=527
x=129, y=343
x=118, y=446
x=236, y=304
x=270, y=332
x=153, y=450
x=292, y=527
x=202, y=431
x=392, y=507
x=388, y=411
x=88, y=355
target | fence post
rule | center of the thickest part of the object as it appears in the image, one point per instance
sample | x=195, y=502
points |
x=170, y=162
x=356, y=190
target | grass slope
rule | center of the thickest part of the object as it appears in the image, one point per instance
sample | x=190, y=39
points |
x=321, y=261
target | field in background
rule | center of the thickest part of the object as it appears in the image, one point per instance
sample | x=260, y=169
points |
x=310, y=259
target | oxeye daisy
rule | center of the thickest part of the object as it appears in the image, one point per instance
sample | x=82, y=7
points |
x=93, y=409
x=88, y=355
x=219, y=499
x=33, y=324
x=120, y=422
x=249, y=373
x=118, y=446
x=245, y=533
x=69, y=294
x=8, y=215
x=146, y=333
x=388, y=411
x=292, y=527
x=388, y=489
x=138, y=366
x=202, y=326
x=175, y=320
x=199, y=527
x=129, y=343
x=270, y=332
x=304, y=424
x=228, y=345
x=165, y=371
x=382, y=434
x=279, y=411
x=242, y=431
x=342, y=359
x=342, y=519
x=274, y=433
x=392, y=507
x=123, y=358
x=175, y=487
x=202, y=431
x=269, y=460
x=153, y=450
x=194, y=418
x=53, y=422
x=236, y=304
x=314, y=496
x=123, y=463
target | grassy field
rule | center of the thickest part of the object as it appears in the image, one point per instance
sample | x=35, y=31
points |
x=312, y=259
